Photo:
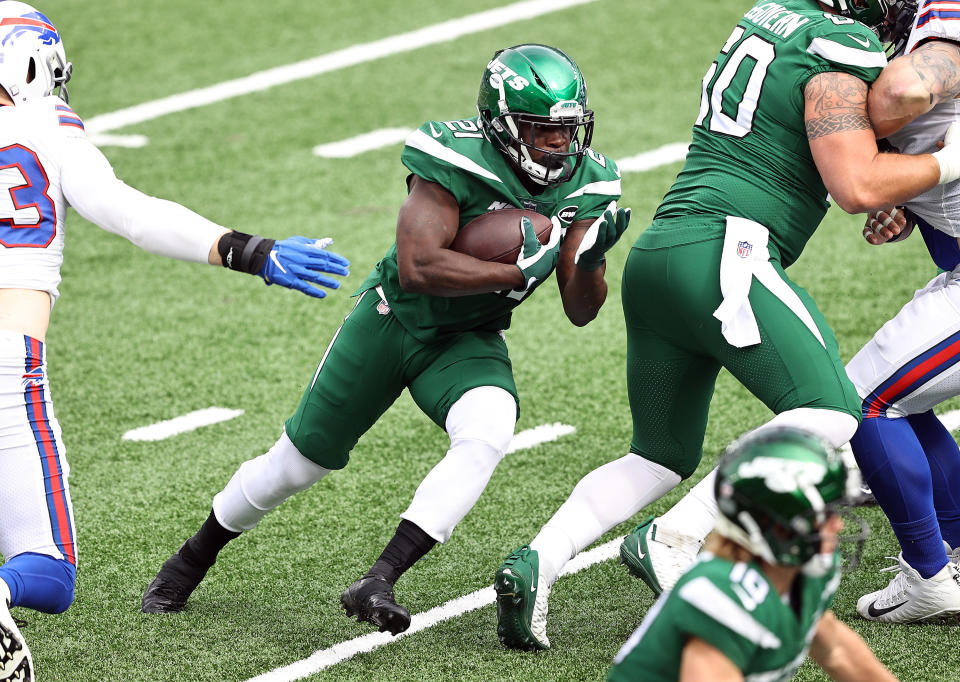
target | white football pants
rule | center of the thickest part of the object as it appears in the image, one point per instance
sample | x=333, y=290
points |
x=36, y=514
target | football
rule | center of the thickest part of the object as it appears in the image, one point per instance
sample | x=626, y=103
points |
x=498, y=235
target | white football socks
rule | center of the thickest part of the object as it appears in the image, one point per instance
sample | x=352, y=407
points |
x=603, y=498
x=262, y=483
x=696, y=513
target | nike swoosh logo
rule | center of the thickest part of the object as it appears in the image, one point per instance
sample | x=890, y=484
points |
x=640, y=554
x=433, y=131
x=865, y=42
x=876, y=613
x=276, y=261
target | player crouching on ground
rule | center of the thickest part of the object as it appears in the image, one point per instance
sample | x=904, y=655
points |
x=429, y=318
x=758, y=597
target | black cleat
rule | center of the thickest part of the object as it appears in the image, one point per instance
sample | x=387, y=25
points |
x=169, y=591
x=371, y=600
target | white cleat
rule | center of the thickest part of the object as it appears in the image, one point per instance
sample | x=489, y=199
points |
x=909, y=598
x=658, y=556
x=952, y=554
x=16, y=663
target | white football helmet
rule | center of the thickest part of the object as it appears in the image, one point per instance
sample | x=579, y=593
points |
x=32, y=61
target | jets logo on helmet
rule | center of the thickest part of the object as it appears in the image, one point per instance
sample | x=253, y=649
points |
x=32, y=60
x=776, y=487
x=529, y=88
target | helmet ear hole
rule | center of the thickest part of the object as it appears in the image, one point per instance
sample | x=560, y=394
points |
x=31, y=70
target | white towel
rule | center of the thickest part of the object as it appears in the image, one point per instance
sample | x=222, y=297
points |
x=744, y=250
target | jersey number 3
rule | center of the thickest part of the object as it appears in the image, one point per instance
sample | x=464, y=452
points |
x=28, y=216
x=731, y=100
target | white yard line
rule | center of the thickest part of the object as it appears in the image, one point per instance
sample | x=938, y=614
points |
x=384, y=137
x=338, y=653
x=129, y=141
x=668, y=153
x=182, y=424
x=351, y=56
x=353, y=146
x=545, y=433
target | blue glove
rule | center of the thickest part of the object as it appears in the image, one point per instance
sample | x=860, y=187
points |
x=296, y=263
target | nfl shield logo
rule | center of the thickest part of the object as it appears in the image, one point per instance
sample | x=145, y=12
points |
x=744, y=249
x=383, y=308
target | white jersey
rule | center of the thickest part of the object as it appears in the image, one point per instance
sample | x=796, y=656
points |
x=46, y=164
x=940, y=206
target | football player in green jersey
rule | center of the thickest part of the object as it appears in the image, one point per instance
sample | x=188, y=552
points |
x=782, y=123
x=430, y=319
x=759, y=596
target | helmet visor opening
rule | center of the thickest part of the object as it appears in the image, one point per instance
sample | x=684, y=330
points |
x=553, y=147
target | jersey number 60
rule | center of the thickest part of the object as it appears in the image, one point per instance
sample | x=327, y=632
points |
x=28, y=216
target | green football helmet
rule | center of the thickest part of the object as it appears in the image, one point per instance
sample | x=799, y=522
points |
x=871, y=13
x=776, y=487
x=527, y=86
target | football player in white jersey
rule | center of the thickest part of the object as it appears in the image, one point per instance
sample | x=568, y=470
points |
x=46, y=164
x=907, y=456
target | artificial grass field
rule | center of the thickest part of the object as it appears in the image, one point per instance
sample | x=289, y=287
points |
x=137, y=339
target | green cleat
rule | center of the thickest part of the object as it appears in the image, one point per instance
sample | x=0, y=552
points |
x=635, y=555
x=522, y=602
x=658, y=556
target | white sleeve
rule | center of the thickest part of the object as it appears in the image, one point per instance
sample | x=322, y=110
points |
x=155, y=225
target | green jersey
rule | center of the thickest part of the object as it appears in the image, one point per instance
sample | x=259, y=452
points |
x=455, y=155
x=735, y=608
x=749, y=156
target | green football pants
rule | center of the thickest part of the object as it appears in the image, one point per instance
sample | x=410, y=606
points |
x=369, y=362
x=675, y=350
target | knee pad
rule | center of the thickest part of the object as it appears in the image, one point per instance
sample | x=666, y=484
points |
x=262, y=483
x=40, y=582
x=487, y=414
x=834, y=426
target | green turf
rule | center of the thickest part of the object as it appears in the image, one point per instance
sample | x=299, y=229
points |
x=136, y=339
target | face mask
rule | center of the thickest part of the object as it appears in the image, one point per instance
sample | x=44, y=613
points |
x=819, y=565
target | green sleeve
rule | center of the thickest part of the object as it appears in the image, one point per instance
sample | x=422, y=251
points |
x=847, y=48
x=426, y=165
x=600, y=186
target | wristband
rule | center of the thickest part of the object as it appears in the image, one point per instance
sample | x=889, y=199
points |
x=244, y=252
x=949, y=165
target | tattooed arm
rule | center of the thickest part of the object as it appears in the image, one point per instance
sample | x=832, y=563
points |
x=913, y=84
x=844, y=148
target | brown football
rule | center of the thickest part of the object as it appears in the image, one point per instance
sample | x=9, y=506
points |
x=498, y=235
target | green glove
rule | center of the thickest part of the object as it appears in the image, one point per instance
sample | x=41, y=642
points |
x=601, y=236
x=535, y=260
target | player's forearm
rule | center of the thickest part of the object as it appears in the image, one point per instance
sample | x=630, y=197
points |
x=893, y=179
x=913, y=84
x=583, y=295
x=443, y=272
x=156, y=225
